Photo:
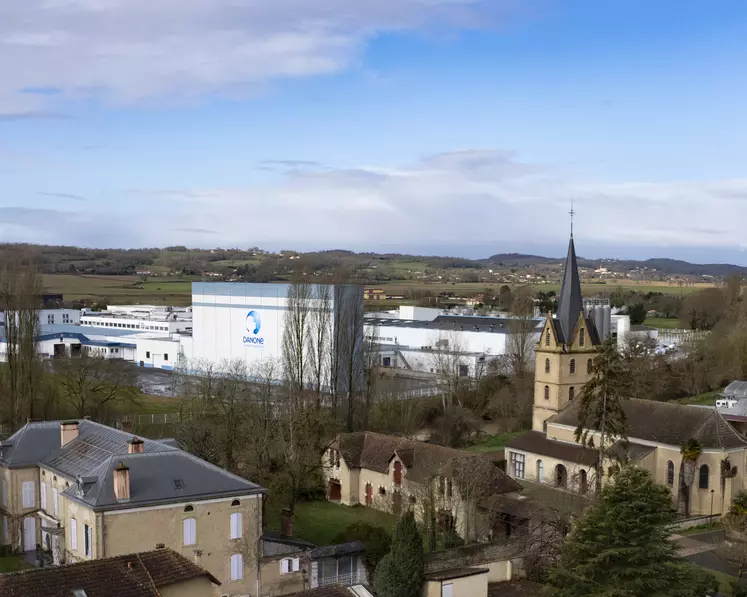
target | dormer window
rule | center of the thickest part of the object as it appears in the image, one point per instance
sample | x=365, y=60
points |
x=397, y=474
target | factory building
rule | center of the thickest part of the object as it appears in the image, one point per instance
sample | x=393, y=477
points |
x=156, y=320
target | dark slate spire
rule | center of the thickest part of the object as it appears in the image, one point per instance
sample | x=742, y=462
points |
x=569, y=303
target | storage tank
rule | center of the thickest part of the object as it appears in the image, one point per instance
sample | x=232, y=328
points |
x=607, y=310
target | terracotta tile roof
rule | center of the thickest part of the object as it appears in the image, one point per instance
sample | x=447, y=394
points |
x=537, y=442
x=374, y=451
x=134, y=575
x=668, y=423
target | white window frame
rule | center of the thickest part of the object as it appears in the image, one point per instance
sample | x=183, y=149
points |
x=289, y=565
x=55, y=501
x=236, y=524
x=73, y=534
x=43, y=492
x=189, y=531
x=517, y=465
x=237, y=567
x=27, y=494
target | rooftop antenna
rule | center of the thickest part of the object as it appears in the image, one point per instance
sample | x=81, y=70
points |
x=572, y=213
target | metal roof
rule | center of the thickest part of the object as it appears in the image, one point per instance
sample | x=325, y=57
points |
x=466, y=323
x=736, y=389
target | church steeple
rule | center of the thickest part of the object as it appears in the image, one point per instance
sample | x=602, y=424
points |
x=570, y=304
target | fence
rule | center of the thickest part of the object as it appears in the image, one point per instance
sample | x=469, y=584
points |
x=153, y=419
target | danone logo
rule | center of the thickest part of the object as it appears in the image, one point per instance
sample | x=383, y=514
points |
x=253, y=324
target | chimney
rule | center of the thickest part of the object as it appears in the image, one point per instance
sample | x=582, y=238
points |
x=68, y=432
x=135, y=446
x=286, y=523
x=122, y=482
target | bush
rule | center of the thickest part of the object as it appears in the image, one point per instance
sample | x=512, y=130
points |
x=375, y=539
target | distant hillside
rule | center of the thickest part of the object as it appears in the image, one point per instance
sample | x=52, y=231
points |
x=660, y=264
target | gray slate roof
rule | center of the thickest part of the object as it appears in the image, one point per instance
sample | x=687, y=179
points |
x=736, y=389
x=98, y=449
x=668, y=423
x=468, y=323
x=570, y=304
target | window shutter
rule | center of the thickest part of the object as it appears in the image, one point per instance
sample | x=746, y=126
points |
x=236, y=525
x=27, y=490
x=190, y=531
x=43, y=496
x=55, y=501
x=296, y=564
x=73, y=534
x=237, y=567
x=283, y=566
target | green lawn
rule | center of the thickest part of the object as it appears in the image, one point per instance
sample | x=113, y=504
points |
x=708, y=398
x=320, y=522
x=12, y=564
x=491, y=443
x=664, y=323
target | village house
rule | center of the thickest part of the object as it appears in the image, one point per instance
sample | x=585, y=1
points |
x=393, y=474
x=85, y=491
x=550, y=455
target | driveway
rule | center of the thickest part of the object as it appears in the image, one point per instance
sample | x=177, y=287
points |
x=700, y=549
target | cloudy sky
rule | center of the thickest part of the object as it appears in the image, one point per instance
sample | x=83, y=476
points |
x=459, y=127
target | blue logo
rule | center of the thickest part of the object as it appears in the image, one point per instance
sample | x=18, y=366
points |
x=253, y=324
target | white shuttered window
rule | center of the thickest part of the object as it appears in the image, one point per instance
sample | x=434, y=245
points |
x=55, y=502
x=43, y=489
x=237, y=567
x=190, y=531
x=73, y=534
x=27, y=493
x=236, y=525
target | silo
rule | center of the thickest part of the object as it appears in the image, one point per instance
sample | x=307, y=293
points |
x=598, y=321
x=607, y=310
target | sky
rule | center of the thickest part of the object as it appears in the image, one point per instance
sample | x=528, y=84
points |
x=448, y=127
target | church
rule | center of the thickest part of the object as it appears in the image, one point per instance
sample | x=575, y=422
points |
x=550, y=455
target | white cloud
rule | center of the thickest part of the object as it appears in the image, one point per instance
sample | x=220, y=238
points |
x=134, y=50
x=473, y=197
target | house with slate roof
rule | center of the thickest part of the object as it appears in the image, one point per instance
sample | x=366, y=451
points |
x=394, y=474
x=550, y=455
x=84, y=491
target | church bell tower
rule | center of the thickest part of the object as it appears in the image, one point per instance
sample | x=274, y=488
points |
x=566, y=349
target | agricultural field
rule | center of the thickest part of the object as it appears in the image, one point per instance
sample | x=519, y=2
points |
x=120, y=289
x=671, y=323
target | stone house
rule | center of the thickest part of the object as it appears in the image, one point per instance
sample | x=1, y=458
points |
x=84, y=491
x=393, y=474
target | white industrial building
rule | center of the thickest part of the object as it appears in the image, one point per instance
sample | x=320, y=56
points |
x=53, y=317
x=157, y=320
x=246, y=322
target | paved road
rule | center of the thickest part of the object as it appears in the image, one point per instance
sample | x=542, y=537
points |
x=700, y=549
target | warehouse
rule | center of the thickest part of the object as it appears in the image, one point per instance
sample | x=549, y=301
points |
x=246, y=322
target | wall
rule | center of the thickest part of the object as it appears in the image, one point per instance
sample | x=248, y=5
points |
x=14, y=509
x=197, y=587
x=273, y=582
x=223, y=330
x=549, y=464
x=213, y=550
x=161, y=353
x=470, y=586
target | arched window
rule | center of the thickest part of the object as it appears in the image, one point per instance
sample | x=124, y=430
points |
x=589, y=365
x=547, y=365
x=703, y=477
x=572, y=367
x=581, y=337
x=670, y=472
x=547, y=392
x=540, y=471
x=236, y=503
x=547, y=338
x=189, y=509
x=571, y=393
x=561, y=477
x=583, y=482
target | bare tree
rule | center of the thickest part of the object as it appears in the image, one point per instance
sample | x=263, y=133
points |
x=450, y=365
x=20, y=294
x=520, y=343
x=371, y=368
x=319, y=336
x=91, y=384
x=296, y=334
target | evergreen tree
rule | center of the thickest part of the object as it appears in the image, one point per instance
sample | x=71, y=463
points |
x=400, y=573
x=621, y=547
x=601, y=403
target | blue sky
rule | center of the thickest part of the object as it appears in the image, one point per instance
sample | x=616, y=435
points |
x=433, y=126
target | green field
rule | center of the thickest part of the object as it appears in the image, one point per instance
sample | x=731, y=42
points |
x=664, y=323
x=492, y=443
x=320, y=522
x=120, y=289
x=13, y=563
x=707, y=398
